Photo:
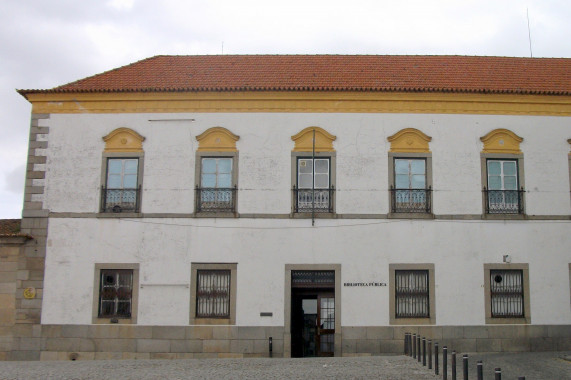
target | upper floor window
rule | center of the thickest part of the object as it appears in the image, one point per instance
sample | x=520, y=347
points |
x=502, y=173
x=313, y=191
x=313, y=171
x=503, y=195
x=121, y=179
x=410, y=171
x=217, y=166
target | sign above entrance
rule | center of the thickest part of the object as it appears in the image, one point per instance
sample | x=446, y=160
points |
x=364, y=284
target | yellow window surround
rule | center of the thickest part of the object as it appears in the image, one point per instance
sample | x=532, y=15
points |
x=217, y=139
x=409, y=140
x=123, y=140
x=304, y=140
x=501, y=141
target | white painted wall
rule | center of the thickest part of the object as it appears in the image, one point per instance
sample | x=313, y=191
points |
x=73, y=175
x=165, y=248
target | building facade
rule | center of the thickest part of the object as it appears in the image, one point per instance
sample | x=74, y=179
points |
x=204, y=206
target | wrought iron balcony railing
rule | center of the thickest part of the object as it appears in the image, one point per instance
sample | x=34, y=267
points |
x=504, y=201
x=210, y=199
x=120, y=200
x=411, y=200
x=313, y=200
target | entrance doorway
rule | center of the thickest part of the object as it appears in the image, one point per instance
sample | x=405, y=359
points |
x=313, y=313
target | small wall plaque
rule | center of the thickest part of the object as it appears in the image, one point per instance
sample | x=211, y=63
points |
x=29, y=293
x=266, y=314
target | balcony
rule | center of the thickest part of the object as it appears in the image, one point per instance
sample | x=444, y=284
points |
x=120, y=200
x=216, y=200
x=417, y=201
x=504, y=201
x=313, y=200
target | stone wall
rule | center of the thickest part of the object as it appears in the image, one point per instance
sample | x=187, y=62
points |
x=88, y=342
x=9, y=254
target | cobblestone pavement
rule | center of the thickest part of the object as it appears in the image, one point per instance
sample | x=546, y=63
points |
x=536, y=366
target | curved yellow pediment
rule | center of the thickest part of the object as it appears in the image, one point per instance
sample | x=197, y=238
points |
x=501, y=141
x=217, y=139
x=409, y=140
x=304, y=140
x=123, y=140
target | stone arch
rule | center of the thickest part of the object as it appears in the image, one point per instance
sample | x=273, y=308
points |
x=501, y=141
x=123, y=140
x=217, y=139
x=409, y=140
x=304, y=140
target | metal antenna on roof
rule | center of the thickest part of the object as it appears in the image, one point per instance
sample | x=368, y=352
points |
x=529, y=34
x=222, y=47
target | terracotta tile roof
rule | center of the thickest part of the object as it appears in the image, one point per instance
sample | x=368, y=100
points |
x=11, y=228
x=551, y=76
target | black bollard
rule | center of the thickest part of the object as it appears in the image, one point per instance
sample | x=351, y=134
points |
x=429, y=354
x=418, y=352
x=521, y=378
x=406, y=344
x=444, y=363
x=414, y=346
x=424, y=352
x=498, y=374
x=480, y=370
x=271, y=346
x=453, y=365
x=465, y=366
x=436, y=358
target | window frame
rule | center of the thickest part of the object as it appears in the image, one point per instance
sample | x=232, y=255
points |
x=198, y=182
x=484, y=158
x=295, y=157
x=393, y=319
x=104, y=174
x=427, y=156
x=194, y=269
x=524, y=268
x=96, y=319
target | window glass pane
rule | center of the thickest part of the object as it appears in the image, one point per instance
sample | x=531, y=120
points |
x=304, y=166
x=224, y=180
x=509, y=168
x=510, y=183
x=418, y=182
x=208, y=165
x=402, y=181
x=305, y=181
x=114, y=181
x=131, y=166
x=401, y=167
x=417, y=166
x=494, y=182
x=225, y=165
x=115, y=166
x=130, y=181
x=322, y=181
x=321, y=166
x=208, y=180
x=494, y=168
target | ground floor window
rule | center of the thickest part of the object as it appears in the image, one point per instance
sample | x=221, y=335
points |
x=213, y=293
x=507, y=293
x=412, y=299
x=115, y=295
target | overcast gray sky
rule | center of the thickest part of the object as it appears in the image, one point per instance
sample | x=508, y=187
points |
x=44, y=44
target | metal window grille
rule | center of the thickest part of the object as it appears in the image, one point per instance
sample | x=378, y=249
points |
x=506, y=287
x=313, y=278
x=317, y=200
x=115, y=293
x=504, y=201
x=213, y=294
x=412, y=294
x=411, y=200
x=120, y=200
x=216, y=199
